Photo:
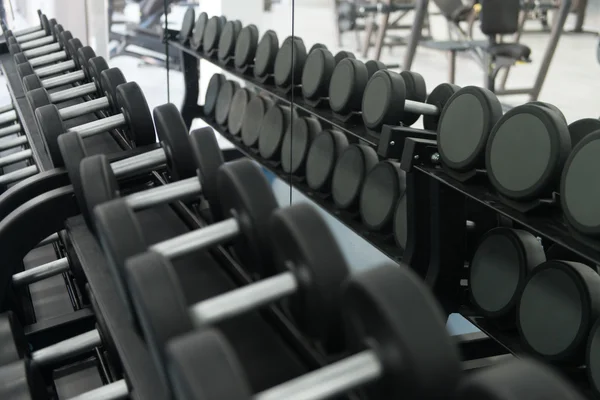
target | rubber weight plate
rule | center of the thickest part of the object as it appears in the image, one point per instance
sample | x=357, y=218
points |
x=110, y=80
x=401, y=222
x=349, y=174
x=581, y=128
x=295, y=146
x=31, y=82
x=51, y=126
x=382, y=188
x=245, y=46
x=253, y=117
x=38, y=98
x=173, y=134
x=317, y=46
x=85, y=54
x=275, y=124
x=416, y=90
x=212, y=92
x=322, y=156
x=579, y=187
x=442, y=94
x=198, y=34
x=73, y=152
x=526, y=152
x=224, y=98
x=347, y=85
x=187, y=25
x=383, y=99
x=95, y=67
x=227, y=41
x=134, y=107
x=551, y=107
x=24, y=68
x=266, y=52
x=571, y=291
x=465, y=124
x=212, y=33
x=209, y=158
x=374, y=66
x=499, y=268
x=343, y=55
x=237, y=110
x=289, y=62
x=98, y=183
x=316, y=74
x=72, y=46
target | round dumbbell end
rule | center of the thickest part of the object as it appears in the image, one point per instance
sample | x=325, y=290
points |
x=383, y=186
x=20, y=59
x=500, y=267
x=245, y=46
x=199, y=27
x=224, y=98
x=98, y=183
x=73, y=152
x=289, y=62
x=474, y=112
x=31, y=82
x=526, y=151
x=64, y=38
x=294, y=148
x=196, y=358
x=307, y=243
x=581, y=128
x=378, y=302
x=212, y=33
x=209, y=158
x=38, y=98
x=85, y=54
x=321, y=159
x=265, y=54
x=236, y=112
x=276, y=122
x=578, y=193
x=442, y=94
x=173, y=134
x=316, y=74
x=244, y=189
x=567, y=288
x=72, y=46
x=110, y=79
x=401, y=222
x=416, y=90
x=227, y=41
x=51, y=126
x=255, y=111
x=349, y=174
x=133, y=105
x=95, y=68
x=551, y=107
x=345, y=82
x=25, y=69
x=212, y=93
x=187, y=25
x=384, y=95
x=339, y=56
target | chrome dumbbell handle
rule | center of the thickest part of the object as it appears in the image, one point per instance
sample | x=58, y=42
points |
x=139, y=162
x=37, y=43
x=73, y=93
x=16, y=157
x=12, y=143
x=55, y=69
x=6, y=108
x=8, y=116
x=85, y=108
x=18, y=175
x=43, y=50
x=113, y=391
x=64, y=79
x=100, y=125
x=164, y=194
x=67, y=348
x=48, y=58
x=27, y=31
x=30, y=36
x=10, y=130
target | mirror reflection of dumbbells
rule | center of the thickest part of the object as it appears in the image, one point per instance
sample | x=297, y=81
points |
x=21, y=369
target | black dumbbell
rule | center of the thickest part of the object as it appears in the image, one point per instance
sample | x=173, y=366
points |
x=399, y=340
x=318, y=69
x=23, y=375
x=311, y=271
x=126, y=100
x=45, y=28
x=69, y=48
x=186, y=156
x=38, y=42
x=26, y=31
x=289, y=62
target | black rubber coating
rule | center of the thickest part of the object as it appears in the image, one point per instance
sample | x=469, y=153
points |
x=308, y=246
x=38, y=98
x=581, y=128
x=196, y=358
x=316, y=74
x=12, y=41
x=228, y=40
x=138, y=125
x=208, y=158
x=322, y=156
x=46, y=24
x=210, y=40
x=276, y=122
x=245, y=47
x=526, y=152
x=56, y=31
x=465, y=124
x=382, y=188
x=401, y=222
x=84, y=55
x=106, y=338
x=593, y=358
x=499, y=269
x=198, y=34
x=31, y=82
x=255, y=112
x=245, y=193
x=65, y=36
x=224, y=99
x=73, y=152
x=237, y=110
x=416, y=90
x=187, y=25
x=15, y=49
x=289, y=63
x=572, y=291
x=294, y=148
x=110, y=79
x=265, y=54
x=72, y=46
x=349, y=174
x=552, y=107
x=377, y=302
x=317, y=46
x=51, y=127
x=374, y=66
x=96, y=66
x=347, y=86
x=342, y=55
x=383, y=99
x=579, y=187
x=98, y=184
x=527, y=377
x=212, y=92
x=25, y=69
x=173, y=135
x=20, y=58
x=441, y=95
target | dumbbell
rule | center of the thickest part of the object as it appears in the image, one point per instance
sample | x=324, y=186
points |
x=41, y=31
x=311, y=272
x=394, y=324
x=26, y=31
x=23, y=375
x=126, y=100
x=242, y=192
x=50, y=37
x=69, y=48
x=191, y=160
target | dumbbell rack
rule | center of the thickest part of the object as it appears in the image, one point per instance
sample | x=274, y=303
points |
x=51, y=200
x=438, y=205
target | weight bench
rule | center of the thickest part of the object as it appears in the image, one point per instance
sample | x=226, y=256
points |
x=452, y=47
